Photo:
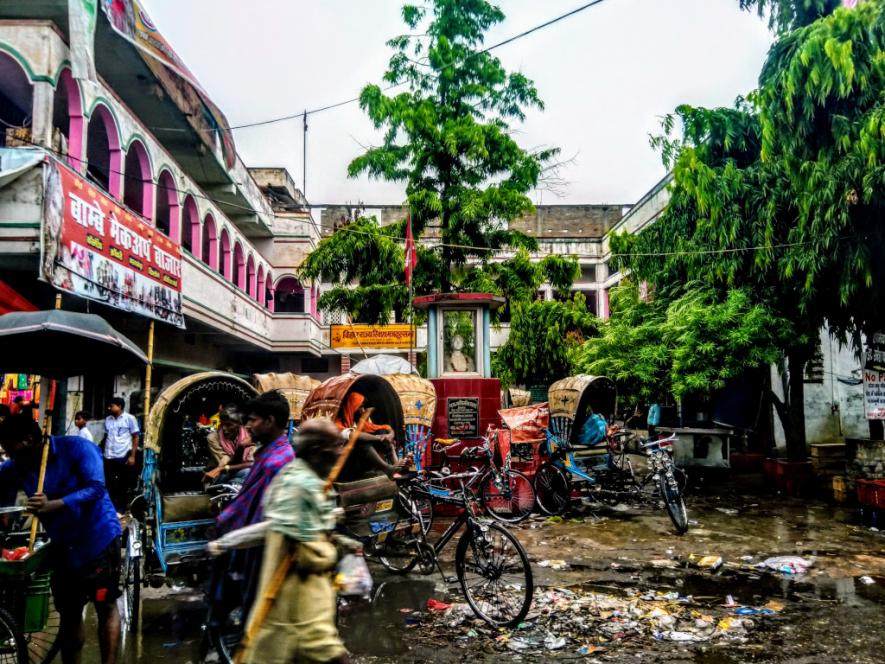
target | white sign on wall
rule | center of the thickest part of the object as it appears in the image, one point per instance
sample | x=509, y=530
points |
x=874, y=394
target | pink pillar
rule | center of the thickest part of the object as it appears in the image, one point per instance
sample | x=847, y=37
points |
x=76, y=122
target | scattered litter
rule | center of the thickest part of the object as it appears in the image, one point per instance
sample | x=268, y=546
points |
x=788, y=564
x=555, y=520
x=867, y=580
x=711, y=563
x=727, y=510
x=729, y=602
x=680, y=636
x=555, y=642
x=436, y=605
x=554, y=564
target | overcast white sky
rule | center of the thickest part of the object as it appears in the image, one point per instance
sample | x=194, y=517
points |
x=606, y=76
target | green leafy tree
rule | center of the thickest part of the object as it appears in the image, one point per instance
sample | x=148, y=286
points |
x=448, y=136
x=684, y=342
x=781, y=195
x=544, y=337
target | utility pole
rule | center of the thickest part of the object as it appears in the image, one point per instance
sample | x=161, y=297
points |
x=304, y=156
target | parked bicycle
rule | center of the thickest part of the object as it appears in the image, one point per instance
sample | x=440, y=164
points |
x=504, y=493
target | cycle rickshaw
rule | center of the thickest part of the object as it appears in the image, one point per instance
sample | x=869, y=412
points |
x=601, y=471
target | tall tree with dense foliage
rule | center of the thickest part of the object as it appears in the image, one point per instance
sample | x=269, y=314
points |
x=782, y=195
x=447, y=137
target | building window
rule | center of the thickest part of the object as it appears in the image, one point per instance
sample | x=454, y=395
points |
x=210, y=243
x=225, y=268
x=168, y=215
x=104, y=162
x=251, y=285
x=16, y=103
x=289, y=296
x=190, y=237
x=138, y=188
x=239, y=267
x=67, y=120
x=261, y=294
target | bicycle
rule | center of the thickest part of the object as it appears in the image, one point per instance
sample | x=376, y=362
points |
x=491, y=566
x=506, y=495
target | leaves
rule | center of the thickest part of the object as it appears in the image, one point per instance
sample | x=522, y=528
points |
x=544, y=338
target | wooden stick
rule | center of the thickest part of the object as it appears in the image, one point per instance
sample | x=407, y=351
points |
x=276, y=582
x=41, y=478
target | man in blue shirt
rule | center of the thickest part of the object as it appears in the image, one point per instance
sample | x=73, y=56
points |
x=82, y=525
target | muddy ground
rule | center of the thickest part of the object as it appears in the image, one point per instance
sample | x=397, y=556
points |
x=629, y=588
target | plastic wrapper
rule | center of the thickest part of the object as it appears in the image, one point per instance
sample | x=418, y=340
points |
x=353, y=578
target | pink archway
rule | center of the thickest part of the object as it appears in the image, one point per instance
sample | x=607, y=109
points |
x=168, y=215
x=67, y=117
x=210, y=242
x=239, y=278
x=261, y=294
x=104, y=160
x=290, y=296
x=251, y=286
x=269, y=301
x=226, y=266
x=17, y=95
x=190, y=236
x=138, y=185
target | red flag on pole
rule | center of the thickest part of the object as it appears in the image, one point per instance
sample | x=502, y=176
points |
x=411, y=251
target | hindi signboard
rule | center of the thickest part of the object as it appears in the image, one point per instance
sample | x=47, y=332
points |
x=463, y=417
x=95, y=248
x=373, y=336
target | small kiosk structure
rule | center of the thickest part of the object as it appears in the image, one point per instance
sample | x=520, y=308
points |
x=459, y=363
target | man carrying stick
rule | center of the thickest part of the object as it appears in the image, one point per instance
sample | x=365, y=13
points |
x=299, y=625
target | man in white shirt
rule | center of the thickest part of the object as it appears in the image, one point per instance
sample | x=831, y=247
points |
x=80, y=420
x=120, y=445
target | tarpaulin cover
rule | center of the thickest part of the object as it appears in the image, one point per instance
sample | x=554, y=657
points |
x=527, y=423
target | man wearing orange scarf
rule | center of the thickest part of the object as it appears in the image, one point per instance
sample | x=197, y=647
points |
x=366, y=455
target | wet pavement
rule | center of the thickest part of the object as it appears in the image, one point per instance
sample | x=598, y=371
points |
x=617, y=585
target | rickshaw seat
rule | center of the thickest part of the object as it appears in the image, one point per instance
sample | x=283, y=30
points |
x=370, y=489
x=186, y=506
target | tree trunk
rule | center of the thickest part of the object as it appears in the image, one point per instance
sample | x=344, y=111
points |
x=796, y=447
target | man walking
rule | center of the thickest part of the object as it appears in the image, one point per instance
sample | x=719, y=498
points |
x=120, y=445
x=300, y=518
x=83, y=528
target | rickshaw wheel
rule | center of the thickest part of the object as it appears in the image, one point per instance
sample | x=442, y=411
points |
x=552, y=490
x=13, y=649
x=511, y=504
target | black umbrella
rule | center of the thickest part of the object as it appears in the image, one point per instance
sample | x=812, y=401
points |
x=61, y=343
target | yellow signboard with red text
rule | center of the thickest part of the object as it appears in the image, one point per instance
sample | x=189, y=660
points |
x=373, y=336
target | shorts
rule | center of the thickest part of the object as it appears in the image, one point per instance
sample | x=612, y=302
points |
x=97, y=581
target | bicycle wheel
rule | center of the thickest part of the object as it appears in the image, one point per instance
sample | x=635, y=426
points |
x=399, y=553
x=673, y=502
x=44, y=645
x=508, y=497
x=553, y=490
x=130, y=600
x=225, y=634
x=495, y=574
x=13, y=649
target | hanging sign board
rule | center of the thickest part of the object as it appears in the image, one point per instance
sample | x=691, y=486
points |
x=463, y=417
x=373, y=336
x=97, y=249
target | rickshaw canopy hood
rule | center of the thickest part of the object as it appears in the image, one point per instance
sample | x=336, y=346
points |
x=157, y=417
x=294, y=387
x=325, y=401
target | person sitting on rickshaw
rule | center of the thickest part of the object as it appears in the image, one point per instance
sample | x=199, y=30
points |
x=373, y=438
x=231, y=448
x=594, y=430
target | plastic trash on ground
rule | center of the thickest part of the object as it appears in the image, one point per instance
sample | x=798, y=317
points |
x=788, y=564
x=353, y=578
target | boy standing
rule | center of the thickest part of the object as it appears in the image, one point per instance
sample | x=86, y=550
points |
x=80, y=420
x=120, y=448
